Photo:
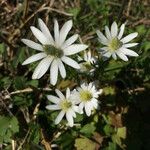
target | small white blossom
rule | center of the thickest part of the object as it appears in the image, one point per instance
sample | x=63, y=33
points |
x=66, y=105
x=87, y=96
x=88, y=62
x=115, y=44
x=54, y=52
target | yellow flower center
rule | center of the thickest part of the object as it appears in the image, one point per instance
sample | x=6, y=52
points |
x=85, y=95
x=53, y=51
x=65, y=105
x=115, y=44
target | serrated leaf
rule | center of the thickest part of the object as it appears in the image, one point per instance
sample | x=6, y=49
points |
x=88, y=129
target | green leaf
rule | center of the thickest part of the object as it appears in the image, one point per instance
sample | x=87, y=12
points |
x=121, y=132
x=88, y=129
x=108, y=130
x=8, y=127
x=84, y=144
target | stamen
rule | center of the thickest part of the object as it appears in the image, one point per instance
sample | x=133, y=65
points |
x=115, y=44
x=65, y=105
x=85, y=95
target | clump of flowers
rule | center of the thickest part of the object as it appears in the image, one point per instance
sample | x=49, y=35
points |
x=115, y=44
x=54, y=52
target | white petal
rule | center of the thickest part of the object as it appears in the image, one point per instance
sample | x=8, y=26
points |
x=56, y=32
x=102, y=38
x=67, y=93
x=45, y=31
x=129, y=52
x=129, y=37
x=122, y=56
x=114, y=29
x=107, y=54
x=54, y=72
x=34, y=58
x=121, y=31
x=130, y=45
x=70, y=62
x=39, y=35
x=114, y=56
x=59, y=117
x=69, y=118
x=69, y=41
x=61, y=96
x=107, y=33
x=53, y=99
x=42, y=67
x=32, y=44
x=62, y=69
x=64, y=31
x=88, y=109
x=75, y=48
x=53, y=107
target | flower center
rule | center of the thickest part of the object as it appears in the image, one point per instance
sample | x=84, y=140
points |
x=115, y=44
x=65, y=105
x=53, y=51
x=85, y=95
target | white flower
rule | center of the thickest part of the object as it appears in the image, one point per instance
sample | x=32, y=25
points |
x=115, y=44
x=88, y=63
x=87, y=96
x=53, y=51
x=65, y=104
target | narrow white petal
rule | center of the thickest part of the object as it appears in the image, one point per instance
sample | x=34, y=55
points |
x=128, y=52
x=53, y=99
x=75, y=48
x=42, y=67
x=59, y=93
x=104, y=49
x=69, y=118
x=56, y=32
x=59, y=117
x=88, y=109
x=114, y=56
x=53, y=107
x=54, y=72
x=102, y=38
x=70, y=41
x=114, y=29
x=64, y=31
x=107, y=33
x=67, y=93
x=107, y=54
x=122, y=55
x=45, y=31
x=129, y=37
x=70, y=62
x=121, y=31
x=39, y=35
x=32, y=44
x=34, y=58
x=62, y=69
x=130, y=45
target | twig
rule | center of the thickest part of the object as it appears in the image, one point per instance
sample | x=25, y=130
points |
x=128, y=8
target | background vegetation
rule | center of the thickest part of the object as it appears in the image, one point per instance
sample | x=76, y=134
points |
x=123, y=119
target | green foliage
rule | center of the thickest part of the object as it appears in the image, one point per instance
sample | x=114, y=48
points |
x=8, y=127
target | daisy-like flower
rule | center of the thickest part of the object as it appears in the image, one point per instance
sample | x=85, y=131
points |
x=54, y=52
x=115, y=44
x=65, y=104
x=87, y=96
x=88, y=63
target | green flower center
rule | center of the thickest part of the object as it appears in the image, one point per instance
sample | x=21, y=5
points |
x=85, y=95
x=115, y=44
x=53, y=51
x=65, y=105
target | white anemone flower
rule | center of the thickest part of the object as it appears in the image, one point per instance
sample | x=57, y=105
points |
x=87, y=95
x=115, y=44
x=54, y=52
x=66, y=105
x=88, y=63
